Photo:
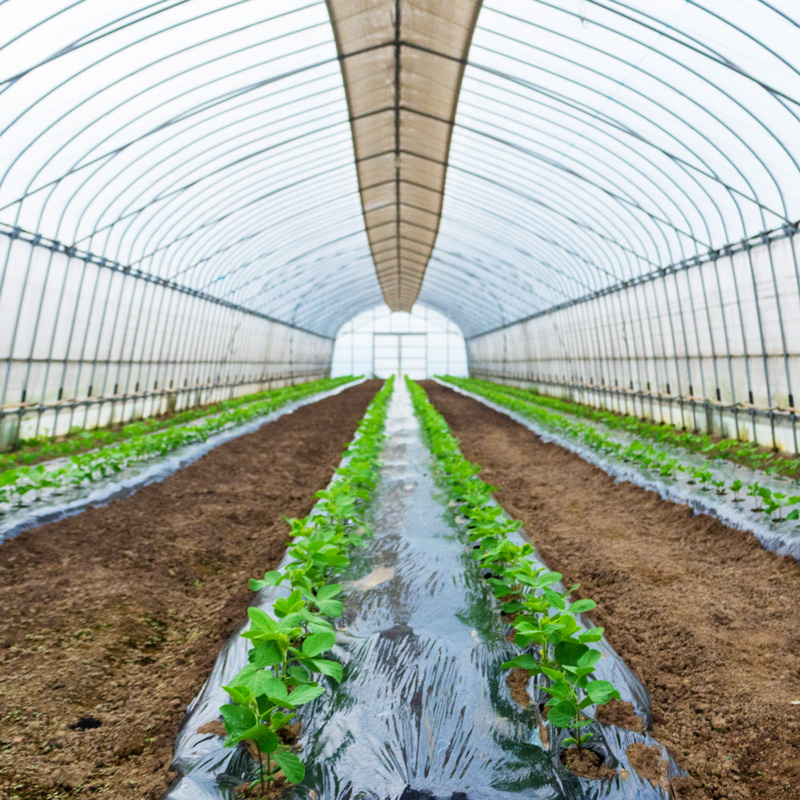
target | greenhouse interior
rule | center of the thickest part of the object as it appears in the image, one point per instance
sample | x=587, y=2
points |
x=399, y=399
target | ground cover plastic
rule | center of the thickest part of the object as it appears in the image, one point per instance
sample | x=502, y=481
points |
x=55, y=506
x=423, y=710
x=782, y=538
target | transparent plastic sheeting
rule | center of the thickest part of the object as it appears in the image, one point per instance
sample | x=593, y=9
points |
x=782, y=538
x=598, y=140
x=423, y=710
x=54, y=507
x=204, y=142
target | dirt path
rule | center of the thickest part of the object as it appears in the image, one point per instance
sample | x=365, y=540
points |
x=114, y=618
x=709, y=620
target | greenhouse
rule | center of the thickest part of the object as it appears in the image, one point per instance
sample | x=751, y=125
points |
x=399, y=399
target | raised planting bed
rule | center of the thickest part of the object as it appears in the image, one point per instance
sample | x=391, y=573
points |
x=748, y=499
x=31, y=496
x=698, y=609
x=117, y=614
x=737, y=451
x=423, y=708
x=47, y=448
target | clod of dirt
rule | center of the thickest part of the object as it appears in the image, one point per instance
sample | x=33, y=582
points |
x=517, y=680
x=648, y=763
x=86, y=724
x=291, y=733
x=215, y=727
x=273, y=789
x=586, y=763
x=620, y=714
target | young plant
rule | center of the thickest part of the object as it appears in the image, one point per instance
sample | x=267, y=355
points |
x=736, y=487
x=553, y=644
x=756, y=491
x=288, y=645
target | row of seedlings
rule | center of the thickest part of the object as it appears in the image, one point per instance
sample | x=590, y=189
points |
x=748, y=454
x=773, y=504
x=289, y=644
x=552, y=644
x=22, y=485
x=43, y=448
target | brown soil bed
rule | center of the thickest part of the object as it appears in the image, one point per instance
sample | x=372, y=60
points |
x=586, y=763
x=708, y=619
x=112, y=620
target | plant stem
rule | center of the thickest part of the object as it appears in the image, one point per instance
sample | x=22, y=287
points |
x=261, y=769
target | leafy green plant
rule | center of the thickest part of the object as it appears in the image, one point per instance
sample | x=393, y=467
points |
x=286, y=663
x=736, y=487
x=757, y=492
x=531, y=402
x=85, y=468
x=553, y=644
x=719, y=486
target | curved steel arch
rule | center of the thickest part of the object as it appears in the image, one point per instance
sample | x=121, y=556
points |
x=574, y=163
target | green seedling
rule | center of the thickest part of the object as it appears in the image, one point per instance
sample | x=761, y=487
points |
x=756, y=491
x=553, y=644
x=736, y=487
x=289, y=644
x=143, y=443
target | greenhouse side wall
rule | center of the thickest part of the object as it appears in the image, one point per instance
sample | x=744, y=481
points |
x=85, y=345
x=711, y=345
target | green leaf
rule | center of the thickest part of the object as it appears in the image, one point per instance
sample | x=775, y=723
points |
x=592, y=635
x=267, y=654
x=329, y=591
x=524, y=661
x=305, y=694
x=601, y=692
x=332, y=669
x=261, y=620
x=265, y=683
x=580, y=606
x=553, y=674
x=266, y=739
x=589, y=659
x=561, y=714
x=293, y=768
x=239, y=694
x=271, y=578
x=318, y=643
x=330, y=608
x=237, y=719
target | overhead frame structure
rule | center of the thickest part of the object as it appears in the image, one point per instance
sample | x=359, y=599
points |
x=402, y=65
x=619, y=211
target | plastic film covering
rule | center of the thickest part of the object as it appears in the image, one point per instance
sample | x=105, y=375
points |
x=53, y=505
x=782, y=537
x=622, y=206
x=423, y=711
x=402, y=62
x=179, y=208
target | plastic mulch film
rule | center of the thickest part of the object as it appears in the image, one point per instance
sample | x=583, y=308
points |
x=782, y=538
x=51, y=507
x=423, y=710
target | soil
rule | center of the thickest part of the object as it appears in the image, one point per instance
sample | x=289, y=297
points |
x=621, y=714
x=272, y=790
x=648, y=763
x=586, y=763
x=517, y=680
x=706, y=617
x=112, y=619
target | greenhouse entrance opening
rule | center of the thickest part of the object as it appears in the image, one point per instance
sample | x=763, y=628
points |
x=400, y=354
x=380, y=343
